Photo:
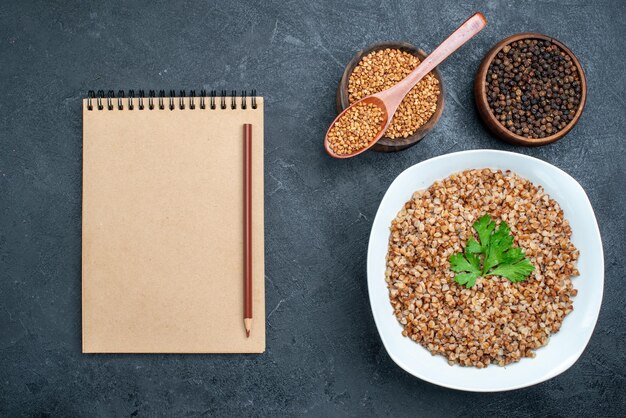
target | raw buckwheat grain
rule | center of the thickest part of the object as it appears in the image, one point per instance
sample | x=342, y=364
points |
x=355, y=129
x=382, y=69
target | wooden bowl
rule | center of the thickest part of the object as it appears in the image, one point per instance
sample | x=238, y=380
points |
x=480, y=94
x=387, y=144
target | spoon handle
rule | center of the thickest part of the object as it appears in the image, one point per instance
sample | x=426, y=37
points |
x=457, y=39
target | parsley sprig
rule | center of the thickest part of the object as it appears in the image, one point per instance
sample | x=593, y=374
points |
x=494, y=250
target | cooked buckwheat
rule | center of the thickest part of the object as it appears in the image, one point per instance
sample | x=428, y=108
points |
x=496, y=321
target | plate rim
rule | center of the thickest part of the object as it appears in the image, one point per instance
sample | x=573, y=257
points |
x=370, y=279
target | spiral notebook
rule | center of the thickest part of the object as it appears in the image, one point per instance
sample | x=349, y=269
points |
x=162, y=226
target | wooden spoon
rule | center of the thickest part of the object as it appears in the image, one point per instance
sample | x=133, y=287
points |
x=389, y=100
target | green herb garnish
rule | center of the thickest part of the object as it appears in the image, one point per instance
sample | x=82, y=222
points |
x=494, y=250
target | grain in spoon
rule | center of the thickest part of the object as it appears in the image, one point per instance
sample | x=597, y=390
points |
x=383, y=105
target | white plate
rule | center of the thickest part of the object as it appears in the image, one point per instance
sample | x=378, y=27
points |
x=564, y=347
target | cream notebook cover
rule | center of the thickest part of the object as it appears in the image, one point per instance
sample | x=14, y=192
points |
x=163, y=220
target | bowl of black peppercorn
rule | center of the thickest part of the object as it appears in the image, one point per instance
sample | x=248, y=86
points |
x=530, y=89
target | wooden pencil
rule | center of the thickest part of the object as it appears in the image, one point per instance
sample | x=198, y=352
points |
x=247, y=311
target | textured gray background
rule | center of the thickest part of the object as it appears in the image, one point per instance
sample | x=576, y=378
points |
x=324, y=356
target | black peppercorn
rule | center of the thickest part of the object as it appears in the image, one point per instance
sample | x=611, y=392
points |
x=533, y=88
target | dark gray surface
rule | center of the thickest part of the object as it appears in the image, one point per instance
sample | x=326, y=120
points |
x=324, y=356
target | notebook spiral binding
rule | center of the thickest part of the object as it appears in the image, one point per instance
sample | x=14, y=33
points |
x=151, y=102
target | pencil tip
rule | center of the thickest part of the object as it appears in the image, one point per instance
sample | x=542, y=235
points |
x=248, y=324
